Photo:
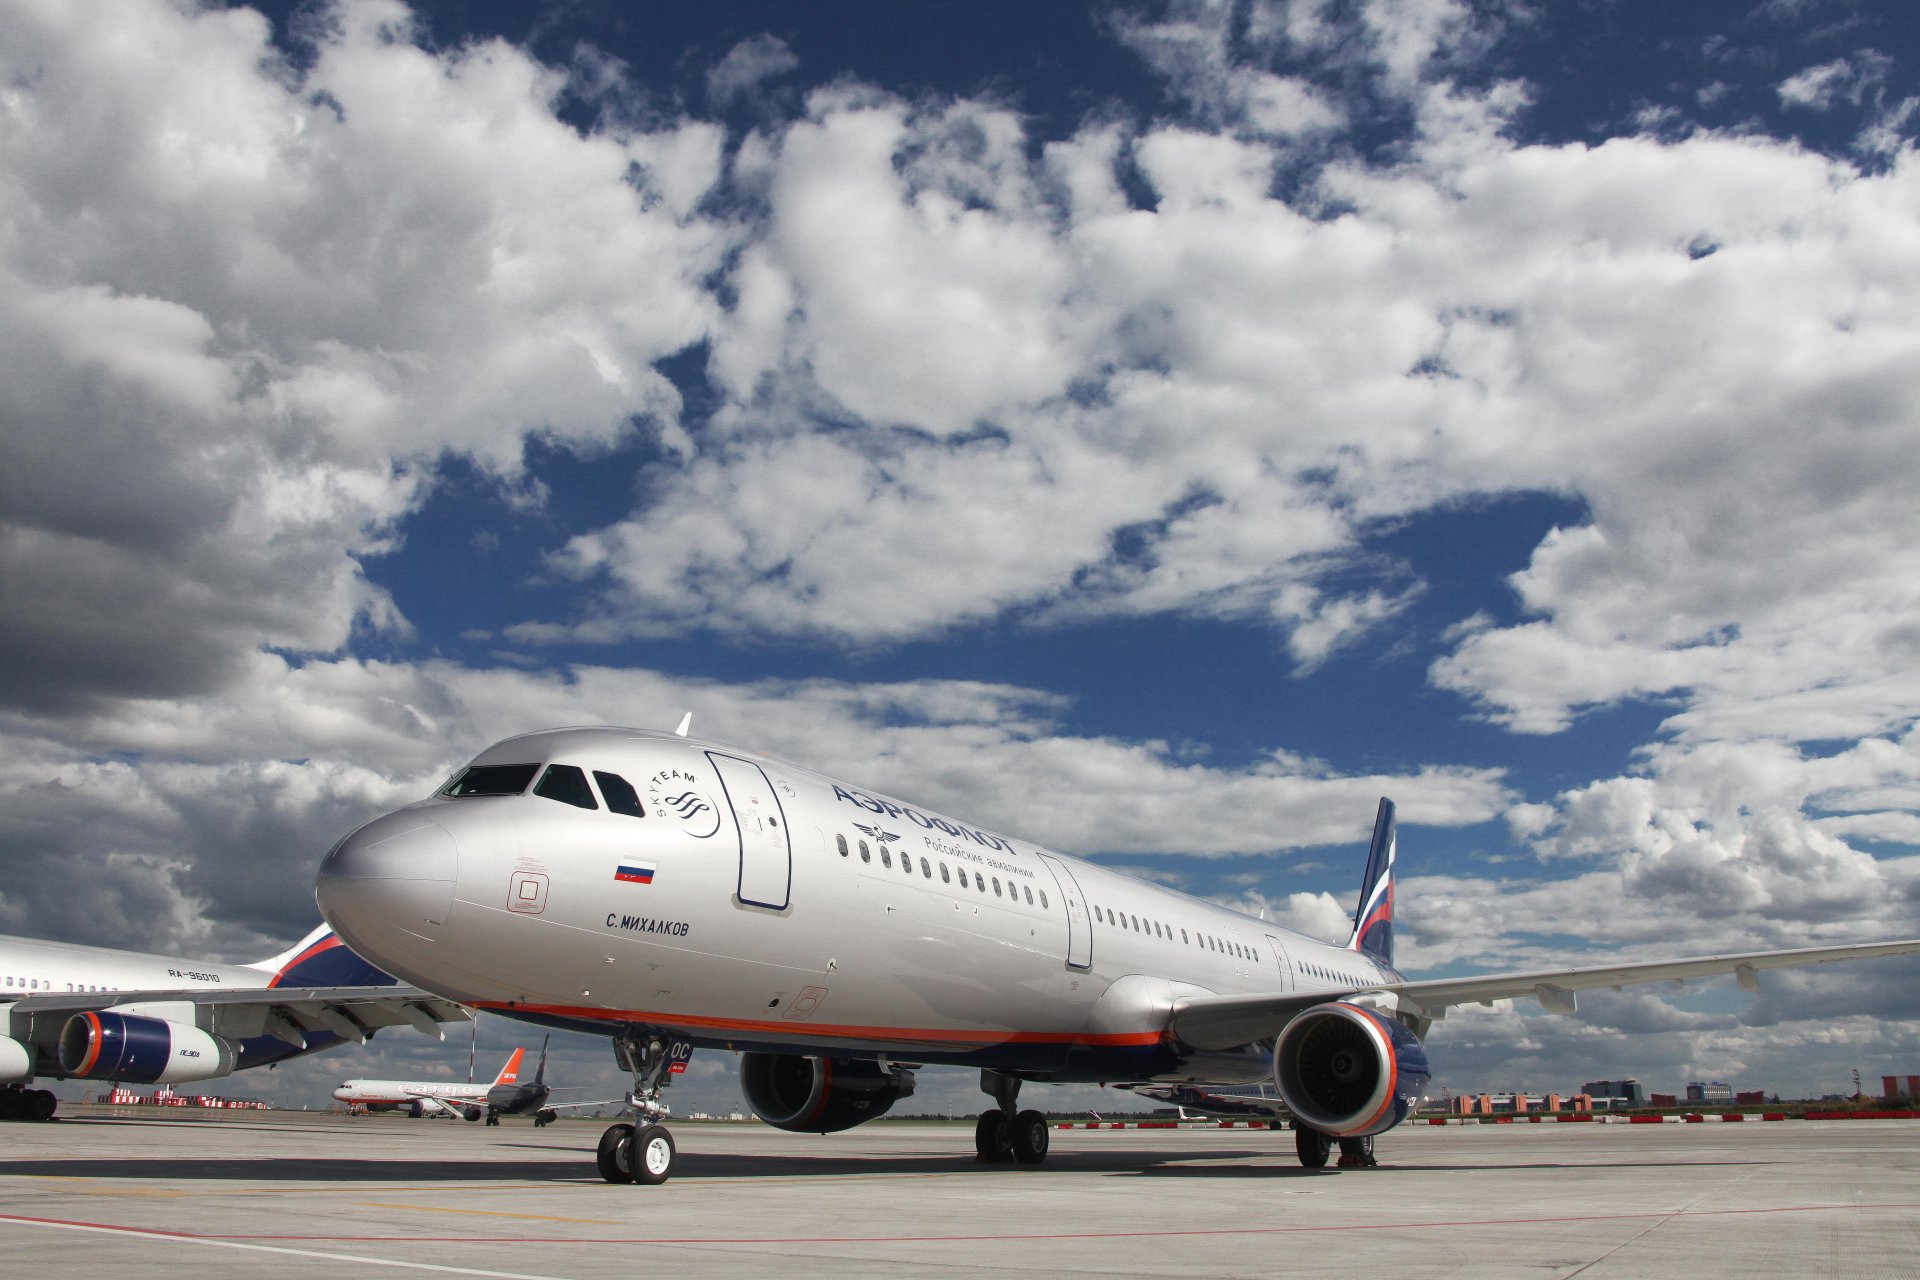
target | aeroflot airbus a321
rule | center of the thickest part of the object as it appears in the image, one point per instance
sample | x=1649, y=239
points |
x=676, y=894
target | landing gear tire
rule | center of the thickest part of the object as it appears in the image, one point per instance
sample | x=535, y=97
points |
x=993, y=1137
x=1357, y=1153
x=1030, y=1137
x=1312, y=1146
x=13, y=1103
x=651, y=1154
x=493, y=1120
x=544, y=1117
x=615, y=1154
x=41, y=1104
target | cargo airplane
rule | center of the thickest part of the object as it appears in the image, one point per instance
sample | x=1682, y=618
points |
x=70, y=1012
x=671, y=894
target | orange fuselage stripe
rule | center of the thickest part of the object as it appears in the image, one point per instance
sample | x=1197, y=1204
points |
x=832, y=1031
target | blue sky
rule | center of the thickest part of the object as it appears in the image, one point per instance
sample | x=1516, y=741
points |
x=1154, y=429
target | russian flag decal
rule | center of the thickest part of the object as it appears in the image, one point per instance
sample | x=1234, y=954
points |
x=640, y=873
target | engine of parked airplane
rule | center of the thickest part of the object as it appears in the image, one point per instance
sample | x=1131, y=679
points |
x=1348, y=1071
x=16, y=1060
x=137, y=1050
x=820, y=1095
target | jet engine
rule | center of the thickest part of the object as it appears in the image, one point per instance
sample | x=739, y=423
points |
x=1349, y=1072
x=137, y=1050
x=820, y=1095
x=16, y=1060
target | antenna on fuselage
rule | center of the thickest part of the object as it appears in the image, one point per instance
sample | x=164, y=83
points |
x=686, y=723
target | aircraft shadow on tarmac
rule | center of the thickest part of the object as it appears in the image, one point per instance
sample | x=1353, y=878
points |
x=693, y=1165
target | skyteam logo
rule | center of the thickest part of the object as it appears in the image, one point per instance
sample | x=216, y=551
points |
x=677, y=797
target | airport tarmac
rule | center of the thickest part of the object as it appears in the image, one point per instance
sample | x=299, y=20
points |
x=241, y=1194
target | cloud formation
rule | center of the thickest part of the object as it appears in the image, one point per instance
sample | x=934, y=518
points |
x=958, y=373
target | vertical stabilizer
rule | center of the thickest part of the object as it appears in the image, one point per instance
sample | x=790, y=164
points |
x=540, y=1072
x=1373, y=918
x=510, y=1074
x=321, y=960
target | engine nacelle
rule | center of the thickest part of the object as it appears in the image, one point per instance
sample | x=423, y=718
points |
x=136, y=1050
x=16, y=1061
x=820, y=1095
x=1348, y=1071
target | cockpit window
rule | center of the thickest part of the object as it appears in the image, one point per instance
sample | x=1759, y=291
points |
x=491, y=780
x=567, y=784
x=619, y=794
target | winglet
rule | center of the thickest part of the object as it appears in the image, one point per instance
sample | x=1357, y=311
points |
x=510, y=1074
x=1373, y=918
x=686, y=723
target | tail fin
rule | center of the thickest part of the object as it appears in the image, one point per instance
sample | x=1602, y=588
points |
x=510, y=1074
x=1373, y=918
x=540, y=1072
x=321, y=960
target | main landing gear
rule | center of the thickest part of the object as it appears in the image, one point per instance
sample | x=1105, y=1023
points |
x=18, y=1103
x=1313, y=1148
x=640, y=1153
x=1003, y=1133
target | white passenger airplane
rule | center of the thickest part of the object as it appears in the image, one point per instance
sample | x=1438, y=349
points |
x=671, y=893
x=507, y=1095
x=70, y=1012
x=462, y=1099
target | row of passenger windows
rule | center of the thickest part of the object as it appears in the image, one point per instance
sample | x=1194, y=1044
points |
x=1165, y=932
x=563, y=782
x=1320, y=971
x=1011, y=890
x=44, y=984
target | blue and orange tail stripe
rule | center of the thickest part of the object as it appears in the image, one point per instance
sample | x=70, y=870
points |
x=328, y=962
x=1373, y=918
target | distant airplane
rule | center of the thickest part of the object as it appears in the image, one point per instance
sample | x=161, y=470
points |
x=465, y=1100
x=506, y=1095
x=92, y=1013
x=671, y=893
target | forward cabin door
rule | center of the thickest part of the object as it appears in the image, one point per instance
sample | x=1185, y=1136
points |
x=1079, y=930
x=766, y=851
x=1284, y=961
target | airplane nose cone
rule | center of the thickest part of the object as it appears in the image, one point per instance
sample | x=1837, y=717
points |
x=388, y=888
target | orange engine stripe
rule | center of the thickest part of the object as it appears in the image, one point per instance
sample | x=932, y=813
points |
x=93, y=1044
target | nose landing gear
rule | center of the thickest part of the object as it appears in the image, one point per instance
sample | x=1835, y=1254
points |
x=642, y=1153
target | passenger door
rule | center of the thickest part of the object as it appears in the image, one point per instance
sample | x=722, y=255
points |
x=1079, y=931
x=766, y=849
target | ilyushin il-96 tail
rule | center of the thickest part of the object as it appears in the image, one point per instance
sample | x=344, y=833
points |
x=674, y=894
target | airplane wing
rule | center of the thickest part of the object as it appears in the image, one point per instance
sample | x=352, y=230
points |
x=457, y=1108
x=1225, y=1022
x=579, y=1106
x=240, y=1013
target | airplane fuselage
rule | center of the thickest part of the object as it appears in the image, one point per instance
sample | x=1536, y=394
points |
x=758, y=905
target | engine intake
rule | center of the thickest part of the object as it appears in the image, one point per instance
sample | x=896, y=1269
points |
x=820, y=1095
x=1348, y=1071
x=137, y=1050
